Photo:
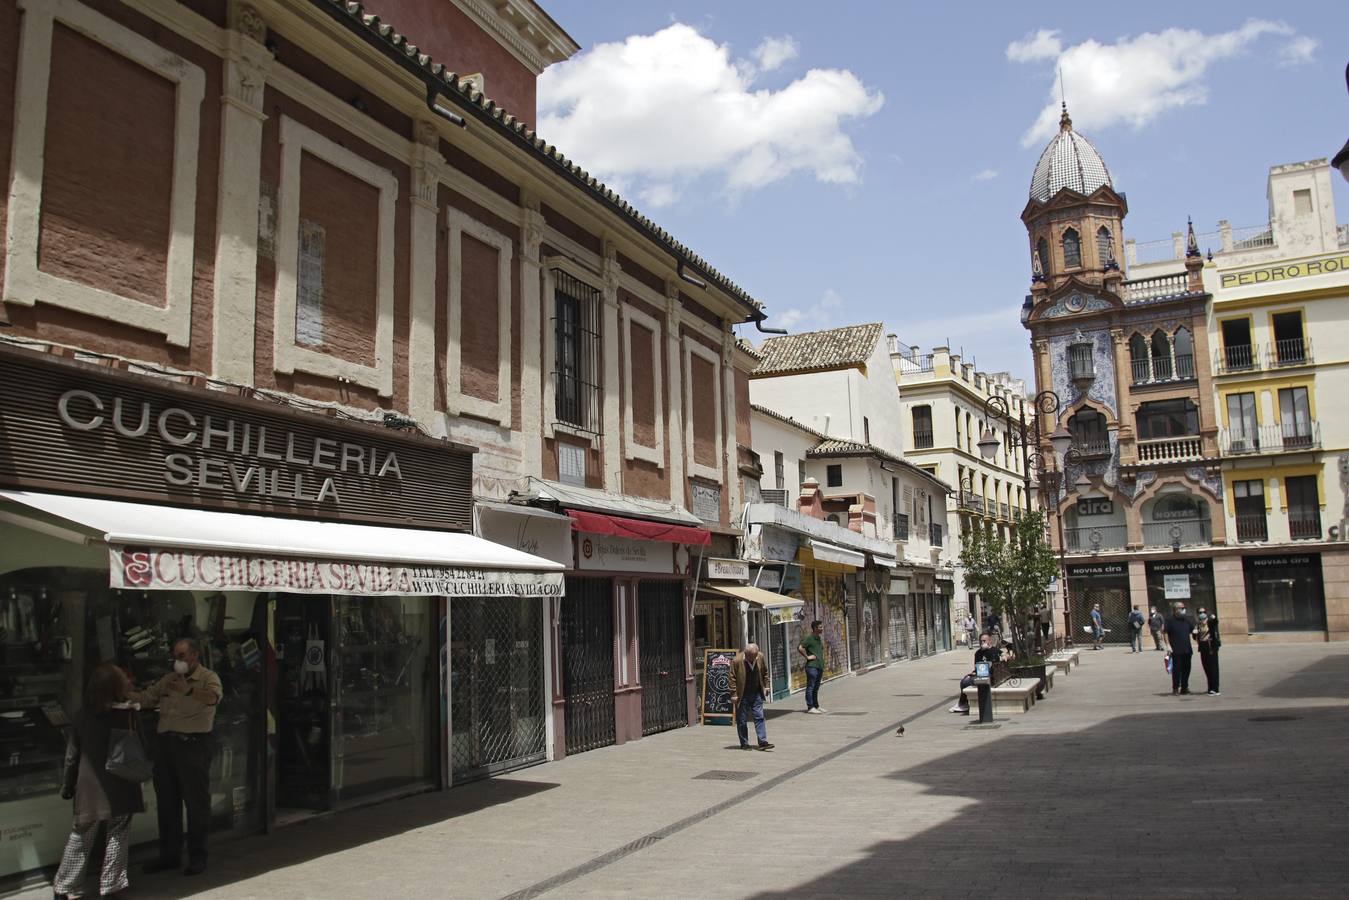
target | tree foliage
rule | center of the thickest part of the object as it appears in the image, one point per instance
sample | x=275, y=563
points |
x=1011, y=574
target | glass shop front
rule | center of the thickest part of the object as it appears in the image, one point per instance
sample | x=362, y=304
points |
x=134, y=513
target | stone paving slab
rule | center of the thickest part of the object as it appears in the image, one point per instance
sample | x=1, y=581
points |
x=1106, y=788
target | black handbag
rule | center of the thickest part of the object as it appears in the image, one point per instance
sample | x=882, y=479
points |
x=127, y=758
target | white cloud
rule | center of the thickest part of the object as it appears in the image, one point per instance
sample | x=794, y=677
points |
x=659, y=111
x=984, y=175
x=1043, y=44
x=1301, y=49
x=773, y=52
x=1136, y=79
x=821, y=314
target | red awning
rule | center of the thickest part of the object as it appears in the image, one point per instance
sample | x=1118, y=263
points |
x=598, y=523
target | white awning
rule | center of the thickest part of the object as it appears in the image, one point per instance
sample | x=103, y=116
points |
x=833, y=554
x=885, y=562
x=176, y=548
x=757, y=596
x=576, y=497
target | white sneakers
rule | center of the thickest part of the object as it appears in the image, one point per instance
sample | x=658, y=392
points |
x=815, y=711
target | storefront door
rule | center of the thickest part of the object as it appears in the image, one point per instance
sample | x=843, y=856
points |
x=1108, y=585
x=660, y=621
x=831, y=598
x=897, y=626
x=587, y=637
x=1285, y=593
x=496, y=685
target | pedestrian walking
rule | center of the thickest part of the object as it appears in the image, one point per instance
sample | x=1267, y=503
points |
x=187, y=699
x=1097, y=627
x=1179, y=628
x=1046, y=619
x=103, y=802
x=988, y=652
x=811, y=649
x=750, y=683
x=1136, y=622
x=971, y=629
x=1209, y=643
x=1155, y=623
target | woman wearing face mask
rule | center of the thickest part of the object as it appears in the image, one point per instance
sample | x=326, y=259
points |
x=1209, y=642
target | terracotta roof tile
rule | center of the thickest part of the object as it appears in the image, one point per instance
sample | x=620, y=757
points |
x=817, y=351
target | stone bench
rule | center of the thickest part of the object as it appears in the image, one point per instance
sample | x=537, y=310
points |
x=1073, y=658
x=1006, y=698
x=1062, y=664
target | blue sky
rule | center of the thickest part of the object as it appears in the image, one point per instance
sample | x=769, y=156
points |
x=868, y=161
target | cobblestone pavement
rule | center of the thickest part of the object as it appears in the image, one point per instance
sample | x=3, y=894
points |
x=1112, y=787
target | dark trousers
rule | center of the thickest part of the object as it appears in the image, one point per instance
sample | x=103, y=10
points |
x=1209, y=660
x=1181, y=664
x=183, y=779
x=813, y=686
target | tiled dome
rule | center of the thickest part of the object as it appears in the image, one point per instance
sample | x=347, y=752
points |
x=1070, y=161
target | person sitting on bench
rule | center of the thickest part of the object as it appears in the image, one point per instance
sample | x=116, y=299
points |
x=988, y=653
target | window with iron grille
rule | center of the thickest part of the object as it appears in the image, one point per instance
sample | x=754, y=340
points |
x=779, y=477
x=922, y=427
x=834, y=475
x=576, y=333
x=1304, y=507
x=1072, y=250
x=1081, y=363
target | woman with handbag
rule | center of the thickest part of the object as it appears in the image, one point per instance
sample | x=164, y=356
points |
x=102, y=798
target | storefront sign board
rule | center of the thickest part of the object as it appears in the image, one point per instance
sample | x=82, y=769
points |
x=716, y=707
x=1089, y=571
x=546, y=537
x=777, y=544
x=186, y=570
x=1176, y=587
x=769, y=578
x=608, y=553
x=727, y=570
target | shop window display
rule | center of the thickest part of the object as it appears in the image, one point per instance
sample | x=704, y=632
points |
x=56, y=624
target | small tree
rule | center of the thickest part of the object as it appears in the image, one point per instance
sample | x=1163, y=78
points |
x=1011, y=574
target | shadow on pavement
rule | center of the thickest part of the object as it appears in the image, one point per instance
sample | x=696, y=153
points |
x=1192, y=803
x=1327, y=677
x=250, y=857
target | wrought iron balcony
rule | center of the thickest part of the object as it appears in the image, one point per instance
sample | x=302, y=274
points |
x=1304, y=524
x=1095, y=538
x=1252, y=527
x=922, y=440
x=1271, y=439
x=1236, y=358
x=1088, y=449
x=901, y=527
x=1289, y=352
x=1189, y=533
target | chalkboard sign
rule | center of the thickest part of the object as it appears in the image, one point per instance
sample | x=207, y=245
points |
x=716, y=701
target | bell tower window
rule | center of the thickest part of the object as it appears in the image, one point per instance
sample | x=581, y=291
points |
x=1104, y=251
x=1072, y=250
x=1042, y=248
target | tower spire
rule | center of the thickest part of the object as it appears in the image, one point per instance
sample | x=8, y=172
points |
x=1191, y=244
x=1065, y=121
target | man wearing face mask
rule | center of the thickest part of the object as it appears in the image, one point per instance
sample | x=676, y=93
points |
x=1179, y=627
x=187, y=699
x=1209, y=642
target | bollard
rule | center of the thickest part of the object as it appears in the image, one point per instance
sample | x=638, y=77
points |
x=985, y=703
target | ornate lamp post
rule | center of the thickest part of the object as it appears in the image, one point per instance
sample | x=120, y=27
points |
x=1035, y=468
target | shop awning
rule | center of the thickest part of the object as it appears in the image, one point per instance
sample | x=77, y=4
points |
x=176, y=548
x=757, y=596
x=620, y=526
x=885, y=562
x=833, y=554
x=572, y=496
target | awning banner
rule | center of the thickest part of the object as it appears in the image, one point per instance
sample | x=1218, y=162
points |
x=151, y=569
x=621, y=526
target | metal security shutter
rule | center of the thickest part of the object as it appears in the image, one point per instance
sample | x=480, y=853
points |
x=660, y=622
x=587, y=646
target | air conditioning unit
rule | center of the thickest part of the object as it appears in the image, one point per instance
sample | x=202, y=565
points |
x=775, y=495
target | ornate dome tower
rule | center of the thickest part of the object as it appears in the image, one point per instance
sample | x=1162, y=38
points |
x=1074, y=216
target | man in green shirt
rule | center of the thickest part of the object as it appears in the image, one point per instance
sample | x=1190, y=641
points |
x=811, y=649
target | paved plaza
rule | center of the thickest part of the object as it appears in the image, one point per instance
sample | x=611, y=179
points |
x=1112, y=787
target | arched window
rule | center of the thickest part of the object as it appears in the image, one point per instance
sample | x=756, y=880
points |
x=1072, y=250
x=1161, y=355
x=1139, y=359
x=1184, y=353
x=1042, y=248
x=1104, y=246
x=1089, y=432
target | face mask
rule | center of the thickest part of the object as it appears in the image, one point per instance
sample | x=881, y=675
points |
x=1203, y=616
x=180, y=666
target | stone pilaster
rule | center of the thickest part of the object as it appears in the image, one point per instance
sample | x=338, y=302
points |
x=675, y=382
x=532, y=335
x=427, y=166
x=611, y=448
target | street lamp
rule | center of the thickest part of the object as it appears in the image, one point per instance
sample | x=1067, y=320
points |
x=1341, y=160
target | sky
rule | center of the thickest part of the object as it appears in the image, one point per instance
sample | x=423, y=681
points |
x=857, y=162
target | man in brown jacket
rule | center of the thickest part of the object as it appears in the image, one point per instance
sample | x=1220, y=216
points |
x=750, y=683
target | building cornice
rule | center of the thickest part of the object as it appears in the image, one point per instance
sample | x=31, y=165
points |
x=524, y=29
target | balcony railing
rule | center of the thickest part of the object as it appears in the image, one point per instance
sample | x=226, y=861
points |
x=1304, y=524
x=1004, y=510
x=971, y=502
x=936, y=535
x=1188, y=532
x=1252, y=527
x=922, y=440
x=1181, y=449
x=901, y=527
x=1272, y=439
x=1092, y=448
x=1290, y=352
x=1094, y=538
x=1142, y=289
x=776, y=496
x=1235, y=358
x=1163, y=369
